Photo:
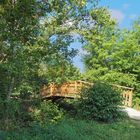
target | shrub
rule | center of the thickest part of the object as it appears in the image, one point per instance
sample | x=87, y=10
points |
x=9, y=113
x=101, y=102
x=47, y=112
x=136, y=102
x=13, y=114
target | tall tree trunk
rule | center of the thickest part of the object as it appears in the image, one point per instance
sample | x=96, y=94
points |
x=10, y=88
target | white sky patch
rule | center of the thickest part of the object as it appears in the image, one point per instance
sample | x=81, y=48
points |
x=133, y=16
x=69, y=23
x=117, y=14
x=126, y=6
x=42, y=21
x=82, y=52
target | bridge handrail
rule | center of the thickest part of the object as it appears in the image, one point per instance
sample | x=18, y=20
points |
x=73, y=87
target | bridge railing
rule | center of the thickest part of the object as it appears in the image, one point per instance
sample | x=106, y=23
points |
x=72, y=90
x=127, y=94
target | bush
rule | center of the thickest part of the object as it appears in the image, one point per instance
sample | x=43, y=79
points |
x=101, y=102
x=14, y=114
x=47, y=112
x=10, y=114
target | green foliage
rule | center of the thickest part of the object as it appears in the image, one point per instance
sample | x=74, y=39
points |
x=16, y=114
x=59, y=73
x=47, y=112
x=101, y=102
x=35, y=36
x=35, y=33
x=25, y=91
x=111, y=51
x=12, y=115
x=112, y=54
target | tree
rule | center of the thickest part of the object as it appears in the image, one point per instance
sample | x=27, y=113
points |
x=33, y=33
x=18, y=27
x=112, y=53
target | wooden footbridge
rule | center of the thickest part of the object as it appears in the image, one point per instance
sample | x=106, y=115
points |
x=72, y=90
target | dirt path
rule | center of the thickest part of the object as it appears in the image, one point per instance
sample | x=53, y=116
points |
x=132, y=113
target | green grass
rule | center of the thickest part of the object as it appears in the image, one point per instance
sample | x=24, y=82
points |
x=72, y=129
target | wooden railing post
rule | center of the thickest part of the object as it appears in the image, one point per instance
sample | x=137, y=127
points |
x=130, y=98
x=52, y=86
x=75, y=86
x=51, y=89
